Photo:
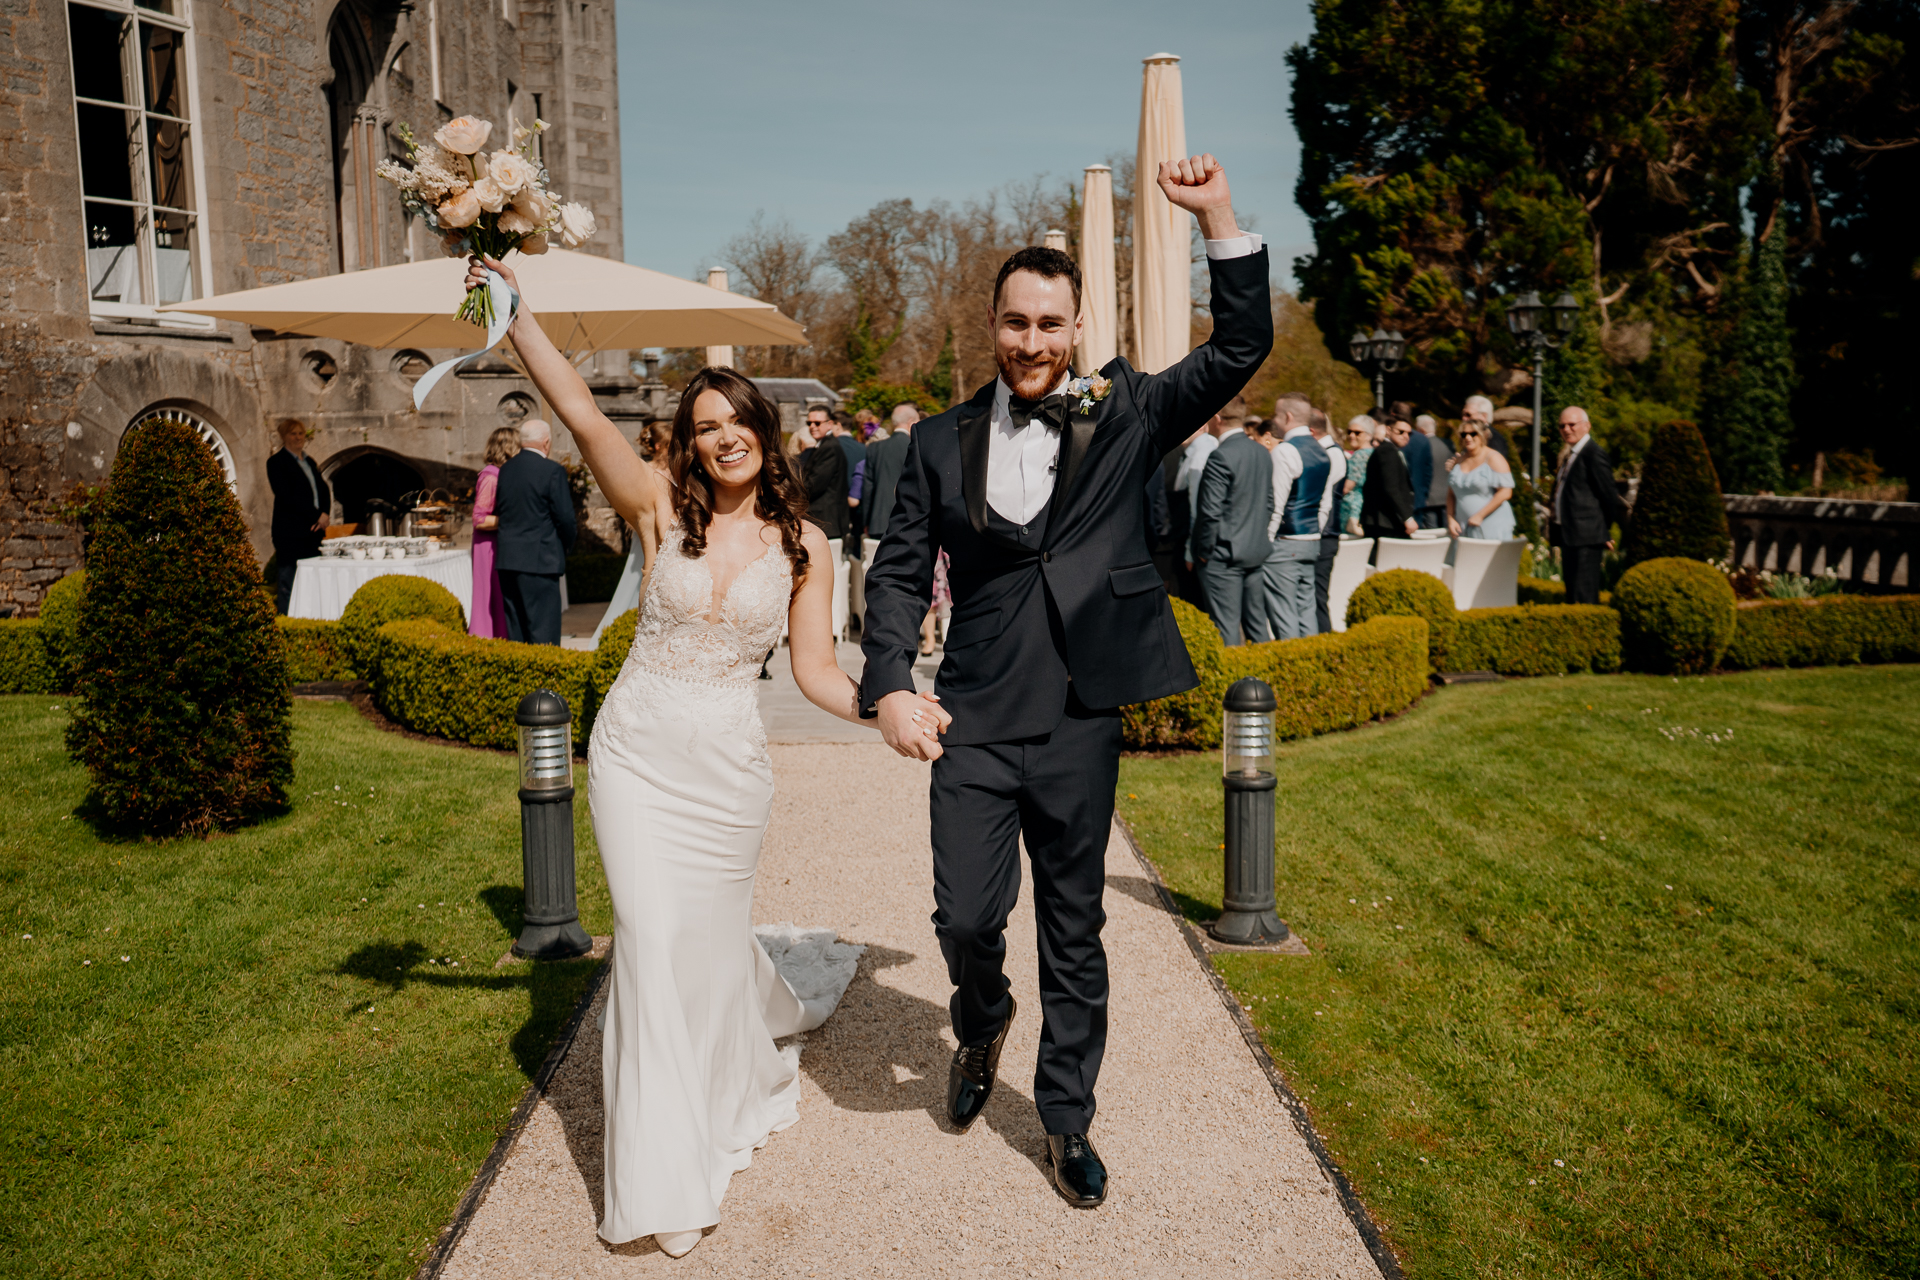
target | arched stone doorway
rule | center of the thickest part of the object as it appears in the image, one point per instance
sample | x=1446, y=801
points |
x=368, y=473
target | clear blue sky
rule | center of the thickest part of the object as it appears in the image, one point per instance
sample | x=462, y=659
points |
x=816, y=112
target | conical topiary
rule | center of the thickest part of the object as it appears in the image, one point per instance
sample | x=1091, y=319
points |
x=1679, y=510
x=182, y=714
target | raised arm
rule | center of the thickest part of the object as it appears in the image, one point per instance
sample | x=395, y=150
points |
x=618, y=470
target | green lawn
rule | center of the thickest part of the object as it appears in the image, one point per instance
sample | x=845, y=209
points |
x=1593, y=993
x=280, y=1052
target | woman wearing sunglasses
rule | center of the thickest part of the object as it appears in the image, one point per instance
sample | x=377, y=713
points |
x=1478, y=488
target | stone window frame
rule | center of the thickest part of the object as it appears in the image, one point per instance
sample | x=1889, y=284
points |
x=175, y=15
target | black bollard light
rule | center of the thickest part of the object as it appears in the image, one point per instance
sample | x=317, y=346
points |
x=1247, y=916
x=552, y=930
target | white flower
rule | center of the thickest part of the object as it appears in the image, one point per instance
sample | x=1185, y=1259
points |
x=576, y=224
x=512, y=171
x=534, y=244
x=396, y=173
x=489, y=194
x=460, y=210
x=535, y=204
x=465, y=135
x=514, y=221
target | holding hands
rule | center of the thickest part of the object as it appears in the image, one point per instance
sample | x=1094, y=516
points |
x=911, y=723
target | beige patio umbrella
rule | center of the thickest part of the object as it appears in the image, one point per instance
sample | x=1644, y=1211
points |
x=1162, y=234
x=584, y=303
x=1100, y=337
x=1055, y=239
x=720, y=354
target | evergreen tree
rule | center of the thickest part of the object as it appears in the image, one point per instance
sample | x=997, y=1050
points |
x=1679, y=510
x=1752, y=426
x=182, y=713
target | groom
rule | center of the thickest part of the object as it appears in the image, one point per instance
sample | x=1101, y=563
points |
x=1032, y=488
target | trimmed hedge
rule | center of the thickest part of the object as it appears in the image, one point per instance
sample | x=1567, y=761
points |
x=60, y=627
x=611, y=653
x=314, y=651
x=391, y=598
x=1547, y=591
x=1827, y=631
x=592, y=578
x=1409, y=593
x=1679, y=512
x=23, y=658
x=1322, y=682
x=437, y=679
x=1538, y=640
x=1676, y=616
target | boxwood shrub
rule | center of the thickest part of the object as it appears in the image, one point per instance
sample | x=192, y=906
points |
x=1827, y=631
x=391, y=598
x=435, y=678
x=1676, y=615
x=60, y=627
x=1409, y=593
x=23, y=658
x=1322, y=683
x=1538, y=640
x=314, y=651
x=611, y=653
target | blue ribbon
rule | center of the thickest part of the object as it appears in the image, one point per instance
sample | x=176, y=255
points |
x=506, y=302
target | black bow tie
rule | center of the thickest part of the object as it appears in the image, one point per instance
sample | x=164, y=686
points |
x=1052, y=411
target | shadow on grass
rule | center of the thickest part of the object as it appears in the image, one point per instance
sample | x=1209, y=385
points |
x=553, y=989
x=110, y=830
x=1145, y=892
x=508, y=902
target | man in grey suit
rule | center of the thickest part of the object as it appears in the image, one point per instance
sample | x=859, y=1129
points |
x=1431, y=506
x=885, y=460
x=535, y=508
x=1230, y=544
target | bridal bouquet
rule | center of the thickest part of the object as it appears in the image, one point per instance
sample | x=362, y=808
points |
x=491, y=204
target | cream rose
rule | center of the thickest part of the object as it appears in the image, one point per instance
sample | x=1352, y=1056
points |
x=512, y=171
x=465, y=135
x=461, y=210
x=514, y=221
x=534, y=244
x=535, y=203
x=489, y=194
x=576, y=224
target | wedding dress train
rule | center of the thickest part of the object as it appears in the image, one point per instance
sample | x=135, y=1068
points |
x=681, y=786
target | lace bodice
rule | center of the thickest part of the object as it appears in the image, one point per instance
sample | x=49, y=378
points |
x=675, y=636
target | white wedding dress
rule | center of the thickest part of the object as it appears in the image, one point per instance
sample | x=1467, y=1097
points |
x=681, y=786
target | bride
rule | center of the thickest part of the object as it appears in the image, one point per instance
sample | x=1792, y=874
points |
x=681, y=785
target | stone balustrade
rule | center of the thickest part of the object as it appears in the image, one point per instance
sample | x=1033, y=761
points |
x=1869, y=545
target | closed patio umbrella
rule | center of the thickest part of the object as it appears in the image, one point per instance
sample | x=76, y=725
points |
x=1162, y=234
x=1100, y=338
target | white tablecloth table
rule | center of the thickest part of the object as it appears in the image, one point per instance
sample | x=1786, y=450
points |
x=324, y=584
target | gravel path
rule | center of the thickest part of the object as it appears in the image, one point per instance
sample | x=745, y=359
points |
x=1209, y=1174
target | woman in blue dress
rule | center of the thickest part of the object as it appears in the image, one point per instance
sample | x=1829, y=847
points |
x=1479, y=486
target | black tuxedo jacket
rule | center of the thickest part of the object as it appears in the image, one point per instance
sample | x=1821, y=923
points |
x=824, y=471
x=1590, y=502
x=294, y=537
x=1386, y=499
x=535, y=508
x=1086, y=603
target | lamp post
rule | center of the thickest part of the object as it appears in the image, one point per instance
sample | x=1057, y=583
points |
x=1382, y=349
x=1528, y=319
x=552, y=921
x=1247, y=916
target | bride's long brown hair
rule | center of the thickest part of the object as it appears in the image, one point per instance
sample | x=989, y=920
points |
x=781, y=500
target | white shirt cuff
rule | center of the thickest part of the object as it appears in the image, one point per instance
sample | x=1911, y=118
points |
x=1235, y=247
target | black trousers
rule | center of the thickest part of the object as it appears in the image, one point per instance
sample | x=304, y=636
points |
x=1323, y=582
x=1581, y=565
x=1057, y=792
x=532, y=602
x=286, y=570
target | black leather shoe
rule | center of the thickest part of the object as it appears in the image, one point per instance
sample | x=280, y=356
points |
x=1077, y=1170
x=970, y=1078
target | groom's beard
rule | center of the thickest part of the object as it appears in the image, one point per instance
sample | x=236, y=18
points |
x=1031, y=382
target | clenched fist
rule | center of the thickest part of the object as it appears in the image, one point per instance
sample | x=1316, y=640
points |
x=1198, y=184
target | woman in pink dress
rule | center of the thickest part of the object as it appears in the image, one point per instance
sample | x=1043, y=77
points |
x=489, y=614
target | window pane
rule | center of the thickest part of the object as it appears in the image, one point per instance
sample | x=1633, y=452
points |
x=94, y=36
x=164, y=61
x=113, y=260
x=157, y=6
x=173, y=257
x=167, y=145
x=105, y=152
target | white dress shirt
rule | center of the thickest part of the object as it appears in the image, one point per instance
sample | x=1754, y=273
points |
x=1287, y=468
x=1021, y=460
x=1566, y=464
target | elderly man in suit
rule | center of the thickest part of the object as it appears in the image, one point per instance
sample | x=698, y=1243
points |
x=1586, y=506
x=535, y=510
x=1230, y=542
x=301, y=503
x=885, y=458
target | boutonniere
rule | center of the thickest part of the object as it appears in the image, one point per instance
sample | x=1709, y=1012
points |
x=1091, y=390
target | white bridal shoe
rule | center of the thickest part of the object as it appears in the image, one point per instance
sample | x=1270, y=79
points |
x=676, y=1244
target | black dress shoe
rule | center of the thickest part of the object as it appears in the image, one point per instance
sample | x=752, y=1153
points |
x=970, y=1078
x=1077, y=1170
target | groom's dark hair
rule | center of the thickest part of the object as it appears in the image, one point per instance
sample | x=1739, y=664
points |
x=1049, y=264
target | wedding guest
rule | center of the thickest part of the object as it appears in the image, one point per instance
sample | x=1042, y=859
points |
x=488, y=616
x=1230, y=533
x=1359, y=449
x=886, y=458
x=1387, y=509
x=1193, y=464
x=1478, y=489
x=1480, y=409
x=823, y=468
x=1303, y=491
x=1322, y=430
x=856, y=454
x=301, y=503
x=1419, y=467
x=1586, y=504
x=1433, y=502
x=535, y=508
x=1179, y=551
